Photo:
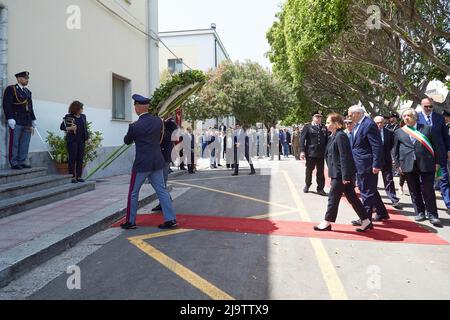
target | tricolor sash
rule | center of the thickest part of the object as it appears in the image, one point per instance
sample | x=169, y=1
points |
x=419, y=136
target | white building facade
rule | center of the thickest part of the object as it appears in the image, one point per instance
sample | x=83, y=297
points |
x=200, y=49
x=94, y=51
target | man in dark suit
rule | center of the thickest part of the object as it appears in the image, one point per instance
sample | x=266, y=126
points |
x=18, y=108
x=416, y=154
x=387, y=137
x=367, y=149
x=313, y=142
x=241, y=146
x=147, y=133
x=166, y=148
x=286, y=142
x=442, y=140
x=189, y=147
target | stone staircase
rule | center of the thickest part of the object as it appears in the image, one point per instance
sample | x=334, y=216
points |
x=26, y=189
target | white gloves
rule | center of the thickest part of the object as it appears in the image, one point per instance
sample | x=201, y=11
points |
x=34, y=124
x=12, y=123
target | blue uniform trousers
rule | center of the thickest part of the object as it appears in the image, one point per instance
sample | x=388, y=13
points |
x=156, y=179
x=21, y=137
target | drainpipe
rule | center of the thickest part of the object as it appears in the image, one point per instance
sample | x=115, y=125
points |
x=153, y=46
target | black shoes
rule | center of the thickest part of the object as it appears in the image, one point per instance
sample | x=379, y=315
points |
x=128, y=226
x=322, y=193
x=157, y=208
x=169, y=225
x=381, y=218
x=25, y=166
x=81, y=180
x=368, y=227
x=235, y=174
x=16, y=167
x=356, y=223
x=435, y=221
x=326, y=229
x=74, y=180
x=420, y=217
x=305, y=189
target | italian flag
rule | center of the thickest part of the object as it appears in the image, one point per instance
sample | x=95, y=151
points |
x=413, y=132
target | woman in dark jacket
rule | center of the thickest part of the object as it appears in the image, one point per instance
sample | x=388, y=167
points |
x=341, y=170
x=75, y=126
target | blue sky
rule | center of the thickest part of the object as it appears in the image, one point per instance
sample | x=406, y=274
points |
x=241, y=24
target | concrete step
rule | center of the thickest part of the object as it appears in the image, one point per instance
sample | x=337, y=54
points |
x=22, y=187
x=29, y=201
x=9, y=176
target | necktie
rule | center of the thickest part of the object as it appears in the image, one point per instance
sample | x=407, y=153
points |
x=354, y=129
x=429, y=120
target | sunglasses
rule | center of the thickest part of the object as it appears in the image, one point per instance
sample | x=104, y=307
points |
x=428, y=107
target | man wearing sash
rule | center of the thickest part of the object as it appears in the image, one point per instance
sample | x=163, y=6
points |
x=440, y=136
x=417, y=156
x=18, y=107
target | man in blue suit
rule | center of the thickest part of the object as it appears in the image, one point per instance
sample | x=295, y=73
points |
x=367, y=149
x=440, y=136
x=147, y=133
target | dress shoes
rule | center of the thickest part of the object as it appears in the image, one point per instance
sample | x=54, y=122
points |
x=16, y=167
x=356, y=223
x=128, y=226
x=381, y=218
x=81, y=180
x=420, y=217
x=305, y=189
x=157, y=208
x=316, y=228
x=169, y=225
x=322, y=193
x=364, y=229
x=397, y=205
x=25, y=166
x=435, y=221
x=74, y=180
x=252, y=173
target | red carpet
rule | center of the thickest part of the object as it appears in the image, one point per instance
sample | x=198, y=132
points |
x=392, y=231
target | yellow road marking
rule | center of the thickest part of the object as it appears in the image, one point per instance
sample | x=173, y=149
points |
x=183, y=272
x=203, y=179
x=236, y=195
x=329, y=274
x=159, y=234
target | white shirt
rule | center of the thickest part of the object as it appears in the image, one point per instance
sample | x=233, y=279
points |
x=429, y=118
x=357, y=127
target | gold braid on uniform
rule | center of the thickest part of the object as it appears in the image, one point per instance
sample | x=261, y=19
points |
x=17, y=98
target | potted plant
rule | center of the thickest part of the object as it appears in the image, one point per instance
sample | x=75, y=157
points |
x=58, y=149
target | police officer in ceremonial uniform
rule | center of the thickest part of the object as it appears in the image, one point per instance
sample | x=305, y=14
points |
x=147, y=134
x=313, y=142
x=18, y=108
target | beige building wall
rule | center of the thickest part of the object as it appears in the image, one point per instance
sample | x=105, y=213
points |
x=76, y=64
x=79, y=64
x=189, y=54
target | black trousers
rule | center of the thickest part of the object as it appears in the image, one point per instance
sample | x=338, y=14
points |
x=236, y=160
x=76, y=154
x=318, y=164
x=389, y=185
x=421, y=188
x=334, y=198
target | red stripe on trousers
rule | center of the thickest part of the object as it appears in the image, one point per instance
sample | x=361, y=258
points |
x=11, y=141
x=132, y=182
